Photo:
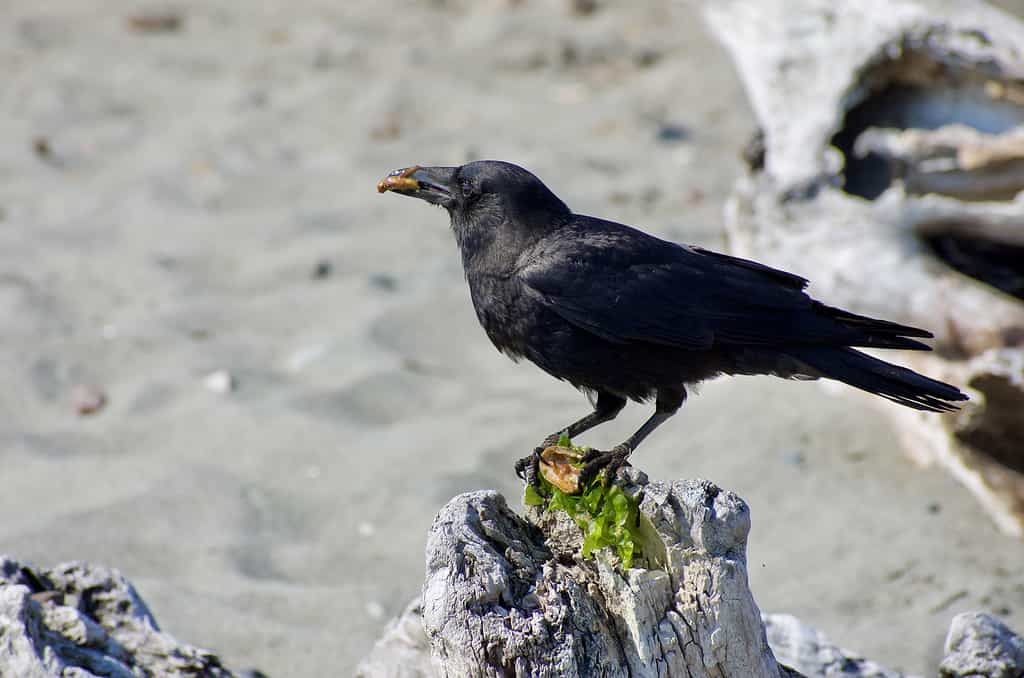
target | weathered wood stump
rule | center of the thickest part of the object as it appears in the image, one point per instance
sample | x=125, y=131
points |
x=506, y=595
x=526, y=604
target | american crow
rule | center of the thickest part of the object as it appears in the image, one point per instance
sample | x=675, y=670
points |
x=621, y=314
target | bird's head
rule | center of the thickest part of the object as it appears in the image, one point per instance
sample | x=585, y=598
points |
x=481, y=193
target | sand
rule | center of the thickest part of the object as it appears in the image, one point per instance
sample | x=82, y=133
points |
x=176, y=203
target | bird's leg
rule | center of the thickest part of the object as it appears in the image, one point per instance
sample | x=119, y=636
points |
x=668, y=403
x=606, y=408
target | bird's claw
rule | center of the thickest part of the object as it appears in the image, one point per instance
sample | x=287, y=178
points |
x=528, y=468
x=595, y=461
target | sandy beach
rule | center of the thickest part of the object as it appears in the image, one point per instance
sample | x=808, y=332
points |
x=181, y=200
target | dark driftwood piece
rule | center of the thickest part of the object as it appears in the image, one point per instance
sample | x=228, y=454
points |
x=891, y=176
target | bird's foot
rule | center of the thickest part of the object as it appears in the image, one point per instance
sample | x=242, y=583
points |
x=528, y=468
x=596, y=461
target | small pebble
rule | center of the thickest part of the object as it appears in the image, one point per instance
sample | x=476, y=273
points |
x=155, y=22
x=795, y=458
x=671, y=133
x=384, y=281
x=41, y=145
x=322, y=270
x=856, y=456
x=219, y=381
x=88, y=399
x=365, y=529
x=646, y=58
x=414, y=366
x=582, y=7
x=166, y=262
x=313, y=472
x=934, y=507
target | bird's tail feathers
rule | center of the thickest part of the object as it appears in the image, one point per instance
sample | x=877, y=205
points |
x=874, y=333
x=870, y=374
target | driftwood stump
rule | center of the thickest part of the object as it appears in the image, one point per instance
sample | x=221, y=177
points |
x=503, y=597
x=511, y=596
x=890, y=172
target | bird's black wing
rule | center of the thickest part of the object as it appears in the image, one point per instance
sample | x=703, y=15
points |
x=626, y=286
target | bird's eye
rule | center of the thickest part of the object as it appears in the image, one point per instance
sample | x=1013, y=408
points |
x=468, y=188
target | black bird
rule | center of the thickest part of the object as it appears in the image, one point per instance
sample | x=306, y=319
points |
x=621, y=314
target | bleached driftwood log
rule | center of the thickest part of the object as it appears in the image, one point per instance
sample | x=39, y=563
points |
x=86, y=621
x=504, y=596
x=891, y=177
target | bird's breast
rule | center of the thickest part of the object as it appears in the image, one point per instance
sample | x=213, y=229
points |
x=502, y=310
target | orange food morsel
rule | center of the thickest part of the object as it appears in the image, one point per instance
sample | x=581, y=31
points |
x=557, y=467
x=399, y=180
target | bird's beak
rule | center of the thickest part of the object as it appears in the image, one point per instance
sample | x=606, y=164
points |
x=432, y=184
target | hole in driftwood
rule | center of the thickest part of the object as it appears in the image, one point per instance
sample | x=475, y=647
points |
x=916, y=91
x=995, y=263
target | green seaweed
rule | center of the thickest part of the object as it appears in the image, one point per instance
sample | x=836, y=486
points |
x=606, y=515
